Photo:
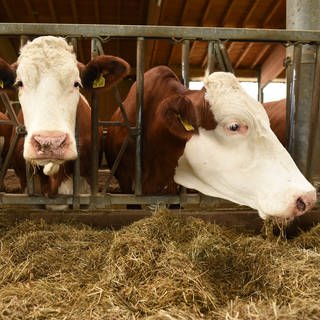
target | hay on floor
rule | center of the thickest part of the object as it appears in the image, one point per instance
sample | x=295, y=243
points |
x=164, y=267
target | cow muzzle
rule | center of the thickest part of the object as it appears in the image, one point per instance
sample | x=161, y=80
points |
x=50, y=146
x=304, y=203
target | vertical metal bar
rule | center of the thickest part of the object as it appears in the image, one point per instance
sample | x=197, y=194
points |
x=304, y=16
x=185, y=62
x=139, y=115
x=314, y=163
x=219, y=56
x=294, y=99
x=94, y=130
x=211, y=58
x=225, y=58
x=260, y=88
x=29, y=169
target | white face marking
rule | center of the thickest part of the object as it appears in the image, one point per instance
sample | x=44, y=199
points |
x=241, y=160
x=47, y=73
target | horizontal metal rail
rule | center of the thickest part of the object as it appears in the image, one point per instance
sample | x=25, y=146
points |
x=195, y=33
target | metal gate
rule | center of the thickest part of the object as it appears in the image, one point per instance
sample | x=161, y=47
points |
x=215, y=37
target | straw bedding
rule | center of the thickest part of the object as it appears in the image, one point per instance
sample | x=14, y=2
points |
x=164, y=267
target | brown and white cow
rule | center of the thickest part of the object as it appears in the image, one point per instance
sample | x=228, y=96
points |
x=49, y=78
x=217, y=141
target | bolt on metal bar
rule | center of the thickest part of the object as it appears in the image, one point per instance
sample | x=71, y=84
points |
x=139, y=114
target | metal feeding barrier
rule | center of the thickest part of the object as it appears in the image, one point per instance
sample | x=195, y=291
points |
x=217, y=55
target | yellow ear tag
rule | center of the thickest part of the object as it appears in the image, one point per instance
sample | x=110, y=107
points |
x=186, y=125
x=1, y=84
x=99, y=83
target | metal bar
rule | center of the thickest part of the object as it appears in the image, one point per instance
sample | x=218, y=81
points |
x=94, y=129
x=185, y=62
x=211, y=57
x=219, y=57
x=294, y=98
x=314, y=163
x=76, y=169
x=199, y=33
x=139, y=115
x=225, y=58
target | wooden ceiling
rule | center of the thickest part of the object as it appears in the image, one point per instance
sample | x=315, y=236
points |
x=246, y=58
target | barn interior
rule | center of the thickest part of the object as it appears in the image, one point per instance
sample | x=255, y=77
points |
x=263, y=61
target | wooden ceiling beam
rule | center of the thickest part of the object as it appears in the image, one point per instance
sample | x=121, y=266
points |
x=273, y=66
x=7, y=9
x=274, y=8
x=31, y=11
x=250, y=13
x=96, y=11
x=262, y=52
x=153, y=18
x=52, y=11
x=243, y=54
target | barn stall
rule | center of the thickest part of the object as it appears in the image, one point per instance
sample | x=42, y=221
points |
x=168, y=266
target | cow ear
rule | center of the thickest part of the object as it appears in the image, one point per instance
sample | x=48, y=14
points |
x=103, y=72
x=179, y=116
x=7, y=75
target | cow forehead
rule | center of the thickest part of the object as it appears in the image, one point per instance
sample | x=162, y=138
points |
x=228, y=99
x=47, y=55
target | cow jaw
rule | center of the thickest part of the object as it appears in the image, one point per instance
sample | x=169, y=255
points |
x=241, y=160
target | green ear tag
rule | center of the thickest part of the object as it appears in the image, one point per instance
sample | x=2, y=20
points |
x=1, y=84
x=186, y=125
x=99, y=83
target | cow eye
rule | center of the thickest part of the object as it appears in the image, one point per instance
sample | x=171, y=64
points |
x=18, y=84
x=234, y=127
x=77, y=84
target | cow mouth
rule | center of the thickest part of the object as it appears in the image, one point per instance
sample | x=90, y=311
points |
x=45, y=161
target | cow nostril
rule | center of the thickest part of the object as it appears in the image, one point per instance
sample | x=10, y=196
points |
x=300, y=205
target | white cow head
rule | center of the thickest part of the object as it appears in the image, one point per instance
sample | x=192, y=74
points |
x=48, y=78
x=241, y=159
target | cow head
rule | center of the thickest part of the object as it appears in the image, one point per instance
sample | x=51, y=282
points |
x=237, y=157
x=48, y=78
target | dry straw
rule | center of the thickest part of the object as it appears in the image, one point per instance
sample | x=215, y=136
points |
x=164, y=267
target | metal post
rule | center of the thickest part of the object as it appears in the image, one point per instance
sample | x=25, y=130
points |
x=94, y=129
x=314, y=163
x=303, y=15
x=211, y=58
x=185, y=62
x=293, y=98
x=139, y=115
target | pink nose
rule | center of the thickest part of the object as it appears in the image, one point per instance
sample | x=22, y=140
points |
x=50, y=145
x=305, y=202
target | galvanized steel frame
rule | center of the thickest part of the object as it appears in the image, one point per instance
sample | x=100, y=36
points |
x=103, y=200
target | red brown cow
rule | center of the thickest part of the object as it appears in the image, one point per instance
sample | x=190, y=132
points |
x=48, y=78
x=217, y=141
x=276, y=111
x=5, y=135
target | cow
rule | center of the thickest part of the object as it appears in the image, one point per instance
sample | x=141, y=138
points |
x=5, y=135
x=216, y=141
x=276, y=111
x=48, y=78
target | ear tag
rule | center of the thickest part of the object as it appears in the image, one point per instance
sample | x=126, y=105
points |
x=1, y=84
x=99, y=83
x=186, y=125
